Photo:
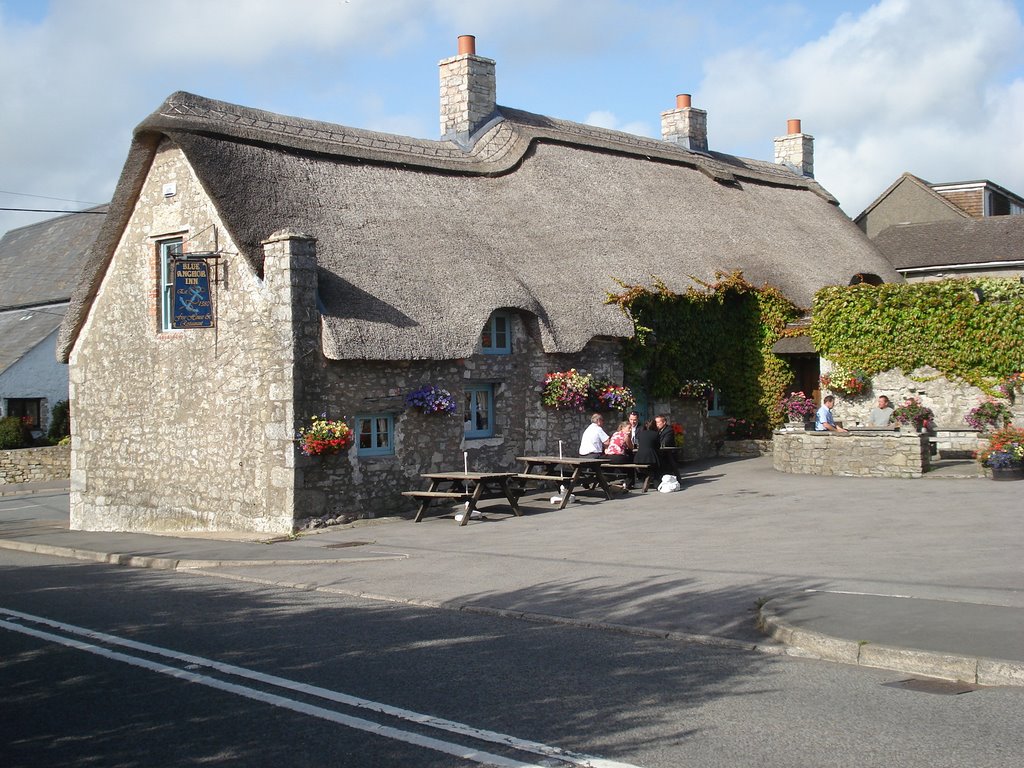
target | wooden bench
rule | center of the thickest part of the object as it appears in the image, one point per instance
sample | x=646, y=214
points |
x=485, y=485
x=647, y=469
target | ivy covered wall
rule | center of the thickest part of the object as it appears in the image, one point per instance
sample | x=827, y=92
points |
x=967, y=329
x=720, y=332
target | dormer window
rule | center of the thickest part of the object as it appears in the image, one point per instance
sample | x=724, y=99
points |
x=496, y=338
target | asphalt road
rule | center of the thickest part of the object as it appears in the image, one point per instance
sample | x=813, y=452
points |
x=231, y=673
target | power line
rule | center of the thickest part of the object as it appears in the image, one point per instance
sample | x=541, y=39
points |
x=45, y=197
x=50, y=210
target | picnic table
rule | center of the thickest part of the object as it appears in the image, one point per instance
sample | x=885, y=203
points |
x=480, y=481
x=567, y=472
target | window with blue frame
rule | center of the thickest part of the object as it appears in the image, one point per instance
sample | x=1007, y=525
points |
x=169, y=250
x=478, y=416
x=375, y=435
x=496, y=338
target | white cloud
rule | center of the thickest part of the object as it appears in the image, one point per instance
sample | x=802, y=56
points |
x=905, y=86
x=604, y=119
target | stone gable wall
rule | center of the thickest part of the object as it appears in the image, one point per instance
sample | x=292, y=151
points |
x=181, y=430
x=35, y=465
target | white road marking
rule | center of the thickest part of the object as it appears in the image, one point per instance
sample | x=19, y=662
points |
x=197, y=662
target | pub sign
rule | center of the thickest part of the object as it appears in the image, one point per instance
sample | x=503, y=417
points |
x=193, y=306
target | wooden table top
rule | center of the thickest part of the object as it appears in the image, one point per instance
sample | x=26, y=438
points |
x=466, y=475
x=567, y=460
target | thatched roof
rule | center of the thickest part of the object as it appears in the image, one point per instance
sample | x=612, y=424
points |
x=963, y=243
x=419, y=241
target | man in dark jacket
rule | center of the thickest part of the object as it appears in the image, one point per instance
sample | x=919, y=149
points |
x=666, y=439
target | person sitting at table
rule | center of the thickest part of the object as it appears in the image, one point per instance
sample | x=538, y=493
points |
x=881, y=415
x=647, y=441
x=594, y=439
x=666, y=440
x=619, y=450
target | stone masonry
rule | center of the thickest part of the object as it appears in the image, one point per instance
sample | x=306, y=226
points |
x=887, y=454
x=35, y=465
x=183, y=430
x=468, y=93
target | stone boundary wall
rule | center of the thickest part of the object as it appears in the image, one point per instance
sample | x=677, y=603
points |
x=742, y=449
x=895, y=454
x=35, y=465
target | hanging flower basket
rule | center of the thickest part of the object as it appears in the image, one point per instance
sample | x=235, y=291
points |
x=429, y=399
x=613, y=397
x=324, y=436
x=695, y=389
x=574, y=391
x=844, y=383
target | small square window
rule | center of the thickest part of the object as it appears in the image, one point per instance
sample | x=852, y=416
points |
x=478, y=415
x=28, y=410
x=375, y=435
x=496, y=338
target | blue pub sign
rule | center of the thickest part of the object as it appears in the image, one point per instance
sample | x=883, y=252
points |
x=193, y=306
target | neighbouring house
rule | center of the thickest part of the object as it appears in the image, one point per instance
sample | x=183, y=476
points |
x=349, y=267
x=989, y=247
x=39, y=268
x=912, y=200
x=935, y=231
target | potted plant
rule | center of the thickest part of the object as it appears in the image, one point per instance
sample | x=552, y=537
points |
x=431, y=400
x=799, y=409
x=1004, y=454
x=324, y=436
x=912, y=416
x=989, y=414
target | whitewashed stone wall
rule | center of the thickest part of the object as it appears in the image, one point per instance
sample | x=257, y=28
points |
x=34, y=465
x=896, y=454
x=182, y=430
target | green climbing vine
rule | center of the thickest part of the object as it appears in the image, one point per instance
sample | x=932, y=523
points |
x=721, y=331
x=967, y=329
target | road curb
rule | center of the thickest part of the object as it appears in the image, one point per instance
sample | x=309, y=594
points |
x=172, y=564
x=522, y=615
x=24, y=489
x=946, y=666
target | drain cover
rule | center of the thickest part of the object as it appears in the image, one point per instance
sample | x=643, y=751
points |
x=344, y=544
x=931, y=685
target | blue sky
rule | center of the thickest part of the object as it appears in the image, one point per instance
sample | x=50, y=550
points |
x=934, y=87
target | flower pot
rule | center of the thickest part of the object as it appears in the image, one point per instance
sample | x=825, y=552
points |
x=1008, y=473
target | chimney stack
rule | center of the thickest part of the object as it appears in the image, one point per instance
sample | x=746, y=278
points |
x=467, y=92
x=685, y=125
x=796, y=149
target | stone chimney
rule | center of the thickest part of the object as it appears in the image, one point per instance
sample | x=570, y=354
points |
x=796, y=149
x=467, y=92
x=685, y=125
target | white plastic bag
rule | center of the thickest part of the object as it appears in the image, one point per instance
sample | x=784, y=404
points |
x=668, y=484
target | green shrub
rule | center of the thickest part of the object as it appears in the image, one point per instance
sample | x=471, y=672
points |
x=14, y=433
x=60, y=422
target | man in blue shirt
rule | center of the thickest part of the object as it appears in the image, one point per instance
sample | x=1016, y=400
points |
x=823, y=421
